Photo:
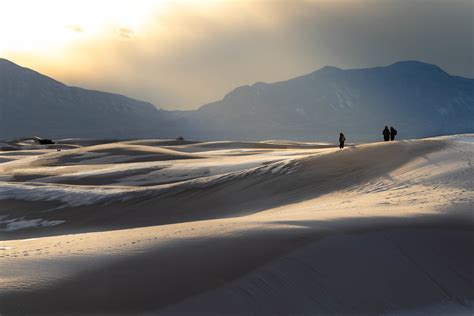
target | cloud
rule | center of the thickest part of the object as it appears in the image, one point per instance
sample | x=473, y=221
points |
x=186, y=56
x=75, y=28
x=125, y=32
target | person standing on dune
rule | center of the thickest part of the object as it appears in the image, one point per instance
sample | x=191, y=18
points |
x=342, y=139
x=393, y=132
x=386, y=133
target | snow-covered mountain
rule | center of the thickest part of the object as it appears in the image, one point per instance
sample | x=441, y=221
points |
x=417, y=98
x=33, y=104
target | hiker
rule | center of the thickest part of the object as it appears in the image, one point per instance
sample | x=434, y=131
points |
x=393, y=133
x=342, y=139
x=386, y=134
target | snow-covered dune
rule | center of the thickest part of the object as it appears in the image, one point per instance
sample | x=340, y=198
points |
x=239, y=228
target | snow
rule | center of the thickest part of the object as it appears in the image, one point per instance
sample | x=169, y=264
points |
x=246, y=228
x=173, y=177
x=21, y=223
x=73, y=196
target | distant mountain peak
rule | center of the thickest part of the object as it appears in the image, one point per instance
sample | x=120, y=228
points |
x=415, y=65
x=418, y=98
x=329, y=69
x=324, y=71
x=34, y=104
x=260, y=84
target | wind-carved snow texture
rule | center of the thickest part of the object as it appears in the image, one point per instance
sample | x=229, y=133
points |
x=72, y=196
x=13, y=224
x=89, y=195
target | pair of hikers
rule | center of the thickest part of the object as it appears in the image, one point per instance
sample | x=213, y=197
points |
x=389, y=134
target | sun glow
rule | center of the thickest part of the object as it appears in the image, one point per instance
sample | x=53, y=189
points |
x=47, y=26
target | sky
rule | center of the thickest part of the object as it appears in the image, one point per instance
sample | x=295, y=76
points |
x=181, y=54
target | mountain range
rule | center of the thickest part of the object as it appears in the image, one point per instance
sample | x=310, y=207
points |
x=419, y=99
x=34, y=104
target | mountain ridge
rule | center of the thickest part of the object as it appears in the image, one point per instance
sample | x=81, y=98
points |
x=34, y=104
x=422, y=99
x=407, y=94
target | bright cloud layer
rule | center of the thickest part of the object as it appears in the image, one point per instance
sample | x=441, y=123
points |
x=184, y=53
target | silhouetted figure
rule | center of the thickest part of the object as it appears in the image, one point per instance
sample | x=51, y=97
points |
x=180, y=138
x=342, y=139
x=393, y=133
x=386, y=134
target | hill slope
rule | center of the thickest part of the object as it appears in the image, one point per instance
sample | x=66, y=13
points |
x=33, y=104
x=420, y=99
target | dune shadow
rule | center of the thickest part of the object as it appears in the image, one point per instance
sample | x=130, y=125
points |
x=154, y=279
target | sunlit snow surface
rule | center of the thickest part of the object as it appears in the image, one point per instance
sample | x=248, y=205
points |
x=263, y=228
x=97, y=175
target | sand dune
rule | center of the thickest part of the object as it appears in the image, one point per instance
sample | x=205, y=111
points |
x=248, y=147
x=271, y=228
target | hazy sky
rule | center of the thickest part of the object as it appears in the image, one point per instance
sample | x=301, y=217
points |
x=184, y=53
